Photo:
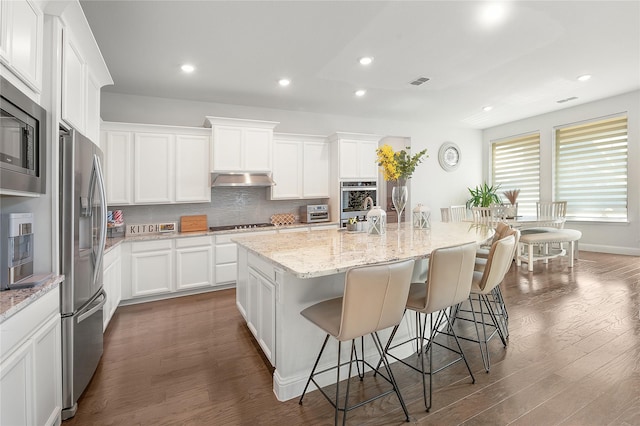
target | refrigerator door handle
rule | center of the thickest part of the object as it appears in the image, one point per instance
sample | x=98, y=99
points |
x=102, y=216
x=82, y=316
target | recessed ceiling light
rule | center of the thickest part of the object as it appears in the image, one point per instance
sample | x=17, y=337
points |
x=188, y=68
x=493, y=13
x=584, y=77
x=366, y=60
x=361, y=92
x=284, y=82
x=487, y=108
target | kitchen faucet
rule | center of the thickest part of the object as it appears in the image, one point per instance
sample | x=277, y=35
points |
x=367, y=201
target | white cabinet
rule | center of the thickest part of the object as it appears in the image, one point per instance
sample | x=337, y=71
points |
x=74, y=84
x=149, y=164
x=112, y=283
x=118, y=151
x=261, y=304
x=83, y=73
x=151, y=268
x=241, y=145
x=167, y=267
x=21, y=40
x=30, y=364
x=301, y=165
x=354, y=155
x=194, y=263
x=153, y=168
x=226, y=254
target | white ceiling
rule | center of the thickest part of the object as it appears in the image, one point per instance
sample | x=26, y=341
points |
x=521, y=66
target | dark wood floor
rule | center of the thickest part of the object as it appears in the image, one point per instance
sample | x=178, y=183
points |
x=573, y=358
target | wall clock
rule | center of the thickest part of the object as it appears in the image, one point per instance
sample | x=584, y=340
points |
x=449, y=156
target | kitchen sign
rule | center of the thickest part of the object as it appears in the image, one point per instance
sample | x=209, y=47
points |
x=152, y=228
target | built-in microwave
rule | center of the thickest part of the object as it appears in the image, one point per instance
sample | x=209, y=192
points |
x=22, y=141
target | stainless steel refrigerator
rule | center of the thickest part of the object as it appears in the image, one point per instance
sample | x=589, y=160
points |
x=83, y=216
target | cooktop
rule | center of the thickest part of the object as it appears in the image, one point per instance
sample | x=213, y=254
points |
x=243, y=226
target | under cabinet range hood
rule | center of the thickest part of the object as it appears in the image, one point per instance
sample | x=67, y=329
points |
x=241, y=179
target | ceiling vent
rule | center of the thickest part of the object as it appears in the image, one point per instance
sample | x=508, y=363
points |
x=419, y=81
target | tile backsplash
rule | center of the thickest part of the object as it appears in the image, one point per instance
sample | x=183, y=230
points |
x=229, y=206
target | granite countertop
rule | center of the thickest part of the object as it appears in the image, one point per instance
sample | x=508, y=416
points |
x=313, y=254
x=13, y=301
x=114, y=242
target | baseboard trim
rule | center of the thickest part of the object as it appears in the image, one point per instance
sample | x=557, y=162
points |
x=629, y=251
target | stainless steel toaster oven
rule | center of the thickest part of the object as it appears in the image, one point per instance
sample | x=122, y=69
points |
x=314, y=213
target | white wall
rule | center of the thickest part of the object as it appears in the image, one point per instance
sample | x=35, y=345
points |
x=622, y=238
x=430, y=185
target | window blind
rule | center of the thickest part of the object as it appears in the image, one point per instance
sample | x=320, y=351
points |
x=516, y=165
x=591, y=169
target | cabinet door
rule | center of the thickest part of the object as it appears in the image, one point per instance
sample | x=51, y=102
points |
x=117, y=147
x=151, y=273
x=47, y=372
x=257, y=149
x=154, y=171
x=253, y=301
x=16, y=404
x=194, y=267
x=349, y=159
x=267, y=322
x=21, y=31
x=227, y=148
x=315, y=170
x=192, y=169
x=287, y=170
x=93, y=110
x=73, y=86
x=368, y=160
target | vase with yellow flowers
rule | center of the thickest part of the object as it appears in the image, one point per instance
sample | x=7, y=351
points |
x=398, y=166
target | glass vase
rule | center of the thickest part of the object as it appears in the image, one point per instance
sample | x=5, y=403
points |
x=399, y=198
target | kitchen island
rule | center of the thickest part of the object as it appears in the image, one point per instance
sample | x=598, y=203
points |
x=280, y=275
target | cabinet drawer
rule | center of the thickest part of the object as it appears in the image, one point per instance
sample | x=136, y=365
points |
x=22, y=324
x=193, y=242
x=141, y=246
x=226, y=253
x=265, y=268
x=226, y=273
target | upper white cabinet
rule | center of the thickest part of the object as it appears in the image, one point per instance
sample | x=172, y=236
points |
x=241, y=145
x=21, y=39
x=354, y=155
x=301, y=165
x=149, y=164
x=83, y=73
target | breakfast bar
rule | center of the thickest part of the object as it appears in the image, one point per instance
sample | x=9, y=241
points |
x=280, y=275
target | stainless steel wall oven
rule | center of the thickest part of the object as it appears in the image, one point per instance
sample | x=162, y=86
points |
x=23, y=125
x=352, y=199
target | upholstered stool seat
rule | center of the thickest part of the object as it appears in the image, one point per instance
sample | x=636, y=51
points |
x=544, y=236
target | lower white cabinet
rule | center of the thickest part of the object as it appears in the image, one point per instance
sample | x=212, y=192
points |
x=194, y=263
x=30, y=364
x=151, y=268
x=261, y=305
x=112, y=283
x=226, y=254
x=167, y=266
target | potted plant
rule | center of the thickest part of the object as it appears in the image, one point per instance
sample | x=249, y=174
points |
x=483, y=196
x=511, y=210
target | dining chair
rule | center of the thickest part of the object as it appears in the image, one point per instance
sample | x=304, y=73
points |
x=485, y=294
x=448, y=283
x=374, y=299
x=553, y=211
x=484, y=216
x=458, y=213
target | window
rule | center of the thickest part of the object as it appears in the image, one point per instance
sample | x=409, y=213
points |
x=516, y=165
x=591, y=169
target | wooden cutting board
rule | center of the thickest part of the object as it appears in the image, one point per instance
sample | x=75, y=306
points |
x=193, y=223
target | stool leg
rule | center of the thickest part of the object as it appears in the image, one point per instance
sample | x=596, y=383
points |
x=518, y=254
x=571, y=247
x=313, y=370
x=530, y=263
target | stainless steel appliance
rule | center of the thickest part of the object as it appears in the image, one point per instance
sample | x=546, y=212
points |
x=352, y=199
x=83, y=226
x=17, y=249
x=22, y=141
x=243, y=226
x=314, y=213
